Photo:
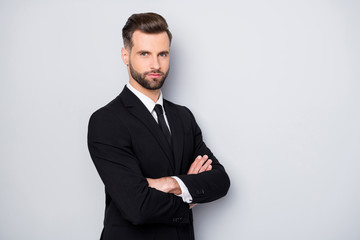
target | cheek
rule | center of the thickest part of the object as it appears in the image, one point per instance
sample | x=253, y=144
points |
x=139, y=65
x=165, y=63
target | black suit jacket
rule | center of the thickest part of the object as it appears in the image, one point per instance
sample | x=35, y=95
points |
x=127, y=145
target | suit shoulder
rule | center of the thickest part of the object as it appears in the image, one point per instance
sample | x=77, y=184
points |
x=109, y=113
x=107, y=124
x=183, y=113
x=182, y=109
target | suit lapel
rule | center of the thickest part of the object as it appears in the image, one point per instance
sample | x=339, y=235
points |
x=138, y=109
x=177, y=134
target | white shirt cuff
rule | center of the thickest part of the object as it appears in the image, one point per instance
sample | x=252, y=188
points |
x=185, y=195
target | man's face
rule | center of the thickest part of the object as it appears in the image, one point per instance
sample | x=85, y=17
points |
x=149, y=59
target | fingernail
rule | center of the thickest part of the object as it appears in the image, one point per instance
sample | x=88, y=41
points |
x=199, y=157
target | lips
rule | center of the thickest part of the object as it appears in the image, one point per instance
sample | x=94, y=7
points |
x=154, y=75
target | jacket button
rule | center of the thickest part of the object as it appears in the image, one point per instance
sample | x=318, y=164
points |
x=177, y=220
x=200, y=192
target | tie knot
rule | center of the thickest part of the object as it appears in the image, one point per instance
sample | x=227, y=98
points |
x=158, y=109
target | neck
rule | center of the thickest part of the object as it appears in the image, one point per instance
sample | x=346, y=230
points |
x=152, y=94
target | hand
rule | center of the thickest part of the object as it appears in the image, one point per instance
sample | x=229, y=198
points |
x=170, y=185
x=191, y=205
x=200, y=164
x=165, y=184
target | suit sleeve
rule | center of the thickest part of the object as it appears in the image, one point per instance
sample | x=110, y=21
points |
x=110, y=147
x=210, y=185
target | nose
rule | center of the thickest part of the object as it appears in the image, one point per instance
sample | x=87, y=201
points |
x=155, y=64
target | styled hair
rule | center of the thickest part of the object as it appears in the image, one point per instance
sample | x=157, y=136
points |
x=144, y=22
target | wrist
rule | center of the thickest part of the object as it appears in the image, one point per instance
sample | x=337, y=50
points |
x=174, y=187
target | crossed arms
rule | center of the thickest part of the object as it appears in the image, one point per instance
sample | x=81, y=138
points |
x=170, y=185
x=142, y=200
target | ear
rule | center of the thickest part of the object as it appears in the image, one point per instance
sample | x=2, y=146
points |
x=125, y=55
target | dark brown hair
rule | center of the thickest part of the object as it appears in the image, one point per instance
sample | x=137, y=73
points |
x=144, y=22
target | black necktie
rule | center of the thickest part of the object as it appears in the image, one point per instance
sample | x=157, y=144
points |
x=162, y=123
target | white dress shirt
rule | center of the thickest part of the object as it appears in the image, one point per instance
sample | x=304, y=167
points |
x=150, y=105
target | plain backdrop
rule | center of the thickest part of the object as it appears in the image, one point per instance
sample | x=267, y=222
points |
x=274, y=85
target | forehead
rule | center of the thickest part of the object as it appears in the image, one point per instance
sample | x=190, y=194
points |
x=150, y=41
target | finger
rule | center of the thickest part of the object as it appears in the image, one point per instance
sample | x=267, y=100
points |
x=205, y=166
x=200, y=164
x=209, y=168
x=192, y=205
x=193, y=165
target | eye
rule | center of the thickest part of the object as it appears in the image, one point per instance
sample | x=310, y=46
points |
x=163, y=54
x=144, y=54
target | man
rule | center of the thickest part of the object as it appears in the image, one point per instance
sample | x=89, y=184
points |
x=148, y=151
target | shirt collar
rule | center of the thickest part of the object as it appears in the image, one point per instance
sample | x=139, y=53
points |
x=148, y=102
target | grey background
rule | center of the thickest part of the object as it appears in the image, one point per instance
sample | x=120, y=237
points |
x=274, y=86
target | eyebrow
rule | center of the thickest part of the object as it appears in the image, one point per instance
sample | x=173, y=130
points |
x=142, y=51
x=145, y=51
x=162, y=52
